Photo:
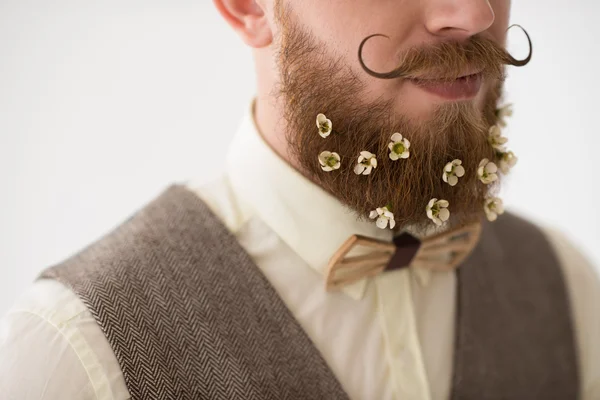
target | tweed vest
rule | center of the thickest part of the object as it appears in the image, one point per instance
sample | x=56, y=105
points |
x=190, y=316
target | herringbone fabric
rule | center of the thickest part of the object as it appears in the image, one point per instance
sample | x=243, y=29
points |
x=189, y=315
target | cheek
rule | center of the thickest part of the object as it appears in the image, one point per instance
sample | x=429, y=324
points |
x=340, y=26
x=502, y=13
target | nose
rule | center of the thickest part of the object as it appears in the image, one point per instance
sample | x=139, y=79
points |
x=458, y=19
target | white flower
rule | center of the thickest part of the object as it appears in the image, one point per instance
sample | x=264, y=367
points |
x=493, y=207
x=325, y=126
x=502, y=113
x=399, y=147
x=437, y=211
x=329, y=161
x=452, y=171
x=487, y=171
x=507, y=160
x=366, y=163
x=383, y=215
x=496, y=139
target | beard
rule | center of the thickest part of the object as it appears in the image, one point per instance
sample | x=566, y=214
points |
x=313, y=82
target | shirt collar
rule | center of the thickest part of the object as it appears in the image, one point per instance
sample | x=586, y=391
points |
x=313, y=223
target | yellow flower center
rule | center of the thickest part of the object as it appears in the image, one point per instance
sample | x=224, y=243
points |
x=399, y=148
x=331, y=161
x=325, y=127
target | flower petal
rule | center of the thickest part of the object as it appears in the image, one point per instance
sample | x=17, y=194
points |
x=373, y=214
x=366, y=154
x=444, y=214
x=358, y=169
x=394, y=156
x=459, y=171
x=443, y=203
x=396, y=137
x=453, y=180
x=382, y=222
x=491, y=216
x=406, y=154
x=491, y=168
x=321, y=119
x=392, y=223
x=368, y=170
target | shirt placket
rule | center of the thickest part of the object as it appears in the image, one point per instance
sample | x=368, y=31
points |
x=402, y=347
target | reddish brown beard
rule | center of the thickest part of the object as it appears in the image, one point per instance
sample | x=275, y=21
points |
x=312, y=82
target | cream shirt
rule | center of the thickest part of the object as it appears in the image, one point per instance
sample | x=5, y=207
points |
x=388, y=337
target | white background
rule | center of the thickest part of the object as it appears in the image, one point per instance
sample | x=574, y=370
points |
x=104, y=103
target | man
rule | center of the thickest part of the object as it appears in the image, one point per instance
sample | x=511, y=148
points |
x=355, y=247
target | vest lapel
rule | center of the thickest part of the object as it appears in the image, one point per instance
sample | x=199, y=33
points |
x=189, y=315
x=514, y=336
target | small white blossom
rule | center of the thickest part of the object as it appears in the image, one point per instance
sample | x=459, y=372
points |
x=383, y=215
x=325, y=126
x=503, y=113
x=493, y=207
x=496, y=139
x=329, y=161
x=452, y=171
x=366, y=162
x=399, y=147
x=437, y=211
x=507, y=160
x=487, y=171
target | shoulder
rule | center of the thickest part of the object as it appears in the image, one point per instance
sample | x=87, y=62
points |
x=581, y=279
x=583, y=283
x=52, y=348
x=576, y=267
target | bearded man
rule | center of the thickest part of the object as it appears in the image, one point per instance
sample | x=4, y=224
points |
x=355, y=247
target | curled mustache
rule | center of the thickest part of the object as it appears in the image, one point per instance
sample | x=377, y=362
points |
x=448, y=61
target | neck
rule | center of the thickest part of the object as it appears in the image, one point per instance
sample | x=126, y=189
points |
x=269, y=109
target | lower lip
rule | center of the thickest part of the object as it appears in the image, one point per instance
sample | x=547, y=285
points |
x=464, y=88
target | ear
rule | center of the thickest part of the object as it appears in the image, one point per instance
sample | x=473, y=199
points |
x=249, y=20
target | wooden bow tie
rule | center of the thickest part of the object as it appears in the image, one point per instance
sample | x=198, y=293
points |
x=441, y=252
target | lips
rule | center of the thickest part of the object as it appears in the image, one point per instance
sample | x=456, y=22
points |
x=464, y=88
